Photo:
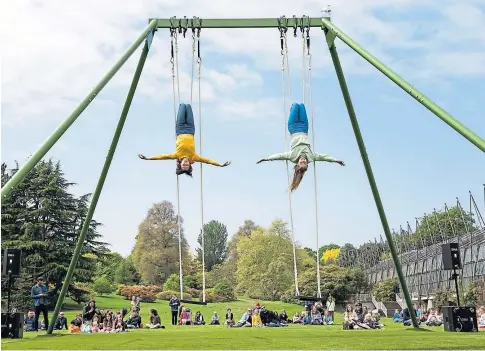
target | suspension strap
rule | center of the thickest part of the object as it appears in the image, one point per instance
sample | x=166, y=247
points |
x=286, y=82
x=306, y=40
x=199, y=66
x=176, y=97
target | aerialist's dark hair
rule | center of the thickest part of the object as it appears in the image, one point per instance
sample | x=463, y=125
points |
x=297, y=177
x=179, y=170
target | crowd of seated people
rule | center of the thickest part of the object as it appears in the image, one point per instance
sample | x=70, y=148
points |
x=358, y=317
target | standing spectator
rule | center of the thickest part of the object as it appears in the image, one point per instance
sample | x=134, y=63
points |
x=331, y=306
x=61, y=322
x=135, y=303
x=174, y=304
x=39, y=295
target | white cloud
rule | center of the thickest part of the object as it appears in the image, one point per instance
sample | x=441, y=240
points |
x=59, y=50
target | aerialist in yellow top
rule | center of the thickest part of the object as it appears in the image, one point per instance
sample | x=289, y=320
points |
x=185, y=145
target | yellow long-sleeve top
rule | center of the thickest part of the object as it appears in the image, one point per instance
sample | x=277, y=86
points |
x=256, y=321
x=185, y=147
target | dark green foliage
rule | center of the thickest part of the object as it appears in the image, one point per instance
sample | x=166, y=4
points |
x=126, y=272
x=43, y=219
x=215, y=244
x=385, y=290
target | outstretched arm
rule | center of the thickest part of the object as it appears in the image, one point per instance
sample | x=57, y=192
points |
x=328, y=158
x=159, y=157
x=283, y=156
x=198, y=158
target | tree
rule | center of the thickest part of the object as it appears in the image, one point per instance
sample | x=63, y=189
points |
x=172, y=283
x=215, y=244
x=126, y=272
x=156, y=251
x=330, y=255
x=347, y=256
x=324, y=248
x=243, y=231
x=43, y=219
x=311, y=252
x=384, y=290
x=102, y=286
x=108, y=264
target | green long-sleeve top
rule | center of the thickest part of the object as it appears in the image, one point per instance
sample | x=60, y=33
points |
x=300, y=146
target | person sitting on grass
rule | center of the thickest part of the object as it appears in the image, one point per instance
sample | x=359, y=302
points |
x=481, y=317
x=108, y=322
x=349, y=318
x=29, y=322
x=229, y=318
x=297, y=319
x=396, y=318
x=307, y=318
x=433, y=319
x=61, y=322
x=95, y=324
x=316, y=316
x=119, y=324
x=284, y=317
x=76, y=324
x=215, y=319
x=327, y=318
x=256, y=319
x=185, y=317
x=155, y=321
x=199, y=319
x=134, y=321
x=245, y=320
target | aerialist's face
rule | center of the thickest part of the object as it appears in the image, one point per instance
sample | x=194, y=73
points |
x=302, y=163
x=185, y=164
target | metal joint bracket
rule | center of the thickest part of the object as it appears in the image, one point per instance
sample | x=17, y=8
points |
x=330, y=37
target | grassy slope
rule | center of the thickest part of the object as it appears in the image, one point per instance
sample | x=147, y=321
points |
x=393, y=336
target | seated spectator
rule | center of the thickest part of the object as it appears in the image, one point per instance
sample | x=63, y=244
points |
x=481, y=317
x=89, y=311
x=256, y=319
x=359, y=313
x=155, y=320
x=319, y=306
x=108, y=322
x=29, y=322
x=284, y=317
x=350, y=318
x=245, y=321
x=185, y=317
x=134, y=321
x=119, y=325
x=95, y=324
x=199, y=319
x=369, y=322
x=433, y=319
x=229, y=318
x=396, y=318
x=61, y=322
x=307, y=318
x=327, y=318
x=215, y=319
x=297, y=319
x=76, y=324
x=316, y=317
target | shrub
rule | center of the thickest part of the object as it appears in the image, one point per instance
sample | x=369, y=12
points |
x=119, y=288
x=384, y=290
x=193, y=292
x=167, y=295
x=212, y=296
x=136, y=290
x=172, y=283
x=289, y=297
x=102, y=286
x=79, y=294
x=155, y=289
x=226, y=290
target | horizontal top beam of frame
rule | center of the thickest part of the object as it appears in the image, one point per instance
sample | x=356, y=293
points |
x=238, y=22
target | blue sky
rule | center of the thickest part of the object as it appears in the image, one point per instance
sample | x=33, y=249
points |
x=419, y=162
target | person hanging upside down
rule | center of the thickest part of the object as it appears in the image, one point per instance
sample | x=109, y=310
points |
x=300, y=152
x=185, y=145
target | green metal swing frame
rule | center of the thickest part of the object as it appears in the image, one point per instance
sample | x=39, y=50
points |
x=183, y=24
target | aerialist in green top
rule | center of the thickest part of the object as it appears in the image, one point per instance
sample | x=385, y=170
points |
x=300, y=152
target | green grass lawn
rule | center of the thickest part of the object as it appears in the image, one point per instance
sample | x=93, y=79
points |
x=392, y=336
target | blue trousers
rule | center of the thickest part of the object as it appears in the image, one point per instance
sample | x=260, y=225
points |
x=185, y=120
x=298, y=120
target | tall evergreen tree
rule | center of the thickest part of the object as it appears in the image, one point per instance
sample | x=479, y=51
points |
x=43, y=219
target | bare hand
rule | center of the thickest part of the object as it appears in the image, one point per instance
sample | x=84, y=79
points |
x=226, y=164
x=341, y=163
x=262, y=160
x=143, y=157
